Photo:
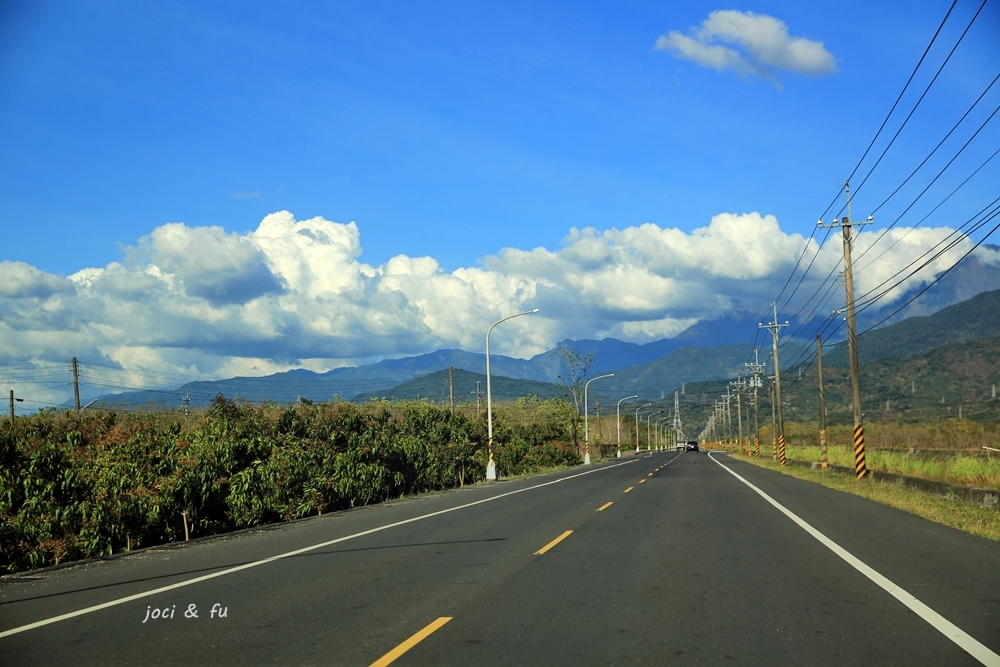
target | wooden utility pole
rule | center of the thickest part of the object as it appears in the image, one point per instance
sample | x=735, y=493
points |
x=739, y=411
x=12, y=400
x=729, y=420
x=774, y=327
x=76, y=386
x=822, y=402
x=774, y=422
x=757, y=369
x=451, y=387
x=852, y=338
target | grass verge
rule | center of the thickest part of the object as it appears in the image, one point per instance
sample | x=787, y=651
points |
x=954, y=512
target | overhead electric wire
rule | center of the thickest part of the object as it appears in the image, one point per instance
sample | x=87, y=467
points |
x=922, y=96
x=991, y=215
x=933, y=181
x=950, y=241
x=939, y=252
x=939, y=277
x=804, y=322
x=933, y=210
x=939, y=144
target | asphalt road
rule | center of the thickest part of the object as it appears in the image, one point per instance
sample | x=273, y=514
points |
x=680, y=558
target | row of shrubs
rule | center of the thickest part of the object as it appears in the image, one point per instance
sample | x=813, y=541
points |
x=80, y=486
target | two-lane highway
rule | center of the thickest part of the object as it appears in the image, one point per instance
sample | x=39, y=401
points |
x=690, y=558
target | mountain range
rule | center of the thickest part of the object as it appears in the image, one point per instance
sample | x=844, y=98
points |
x=706, y=351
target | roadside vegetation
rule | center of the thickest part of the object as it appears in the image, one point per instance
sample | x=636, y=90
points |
x=89, y=485
x=953, y=451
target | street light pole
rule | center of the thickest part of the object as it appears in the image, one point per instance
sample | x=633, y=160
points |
x=619, y=454
x=647, y=426
x=637, y=425
x=656, y=431
x=586, y=429
x=491, y=467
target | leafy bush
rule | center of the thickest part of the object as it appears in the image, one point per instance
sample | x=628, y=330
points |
x=80, y=486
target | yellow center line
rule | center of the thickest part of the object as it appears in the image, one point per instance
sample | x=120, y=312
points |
x=642, y=481
x=629, y=489
x=605, y=506
x=649, y=475
x=554, y=542
x=392, y=655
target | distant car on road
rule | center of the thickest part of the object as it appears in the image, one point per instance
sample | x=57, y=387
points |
x=692, y=446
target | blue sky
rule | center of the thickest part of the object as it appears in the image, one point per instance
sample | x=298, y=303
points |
x=232, y=188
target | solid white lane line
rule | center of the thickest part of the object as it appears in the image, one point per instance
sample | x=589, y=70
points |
x=965, y=641
x=287, y=554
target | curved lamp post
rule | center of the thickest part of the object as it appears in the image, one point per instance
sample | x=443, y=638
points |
x=647, y=426
x=619, y=454
x=586, y=427
x=491, y=467
x=637, y=425
x=656, y=432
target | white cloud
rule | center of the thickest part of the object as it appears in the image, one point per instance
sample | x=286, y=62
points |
x=203, y=301
x=748, y=43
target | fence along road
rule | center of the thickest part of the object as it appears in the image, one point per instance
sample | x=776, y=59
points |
x=684, y=557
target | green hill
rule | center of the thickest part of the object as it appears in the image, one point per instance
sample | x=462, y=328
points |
x=434, y=387
x=964, y=322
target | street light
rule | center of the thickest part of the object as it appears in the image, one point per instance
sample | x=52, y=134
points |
x=656, y=431
x=647, y=426
x=619, y=455
x=637, y=425
x=491, y=467
x=586, y=425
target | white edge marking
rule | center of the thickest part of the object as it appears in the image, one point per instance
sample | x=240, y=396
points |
x=287, y=554
x=965, y=641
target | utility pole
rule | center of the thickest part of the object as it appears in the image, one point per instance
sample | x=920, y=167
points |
x=12, y=400
x=822, y=402
x=774, y=422
x=451, y=387
x=729, y=420
x=774, y=327
x=757, y=369
x=852, y=337
x=739, y=409
x=76, y=386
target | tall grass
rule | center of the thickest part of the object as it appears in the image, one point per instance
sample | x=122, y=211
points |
x=953, y=452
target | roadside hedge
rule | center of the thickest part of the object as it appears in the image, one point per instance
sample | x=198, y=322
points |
x=89, y=485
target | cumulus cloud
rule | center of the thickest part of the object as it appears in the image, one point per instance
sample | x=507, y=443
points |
x=295, y=293
x=209, y=263
x=748, y=44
